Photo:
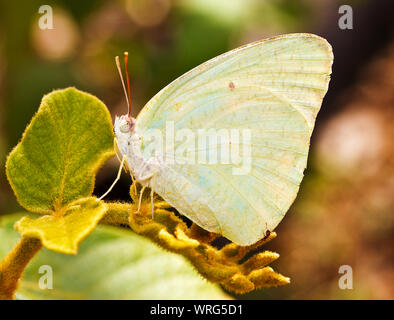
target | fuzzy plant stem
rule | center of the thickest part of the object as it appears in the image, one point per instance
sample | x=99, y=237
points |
x=117, y=214
x=11, y=268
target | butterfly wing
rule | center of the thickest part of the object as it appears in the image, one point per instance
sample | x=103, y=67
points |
x=273, y=88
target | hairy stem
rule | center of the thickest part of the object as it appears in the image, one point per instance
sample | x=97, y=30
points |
x=11, y=268
x=118, y=213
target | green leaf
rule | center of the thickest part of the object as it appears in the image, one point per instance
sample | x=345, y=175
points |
x=63, y=233
x=112, y=263
x=66, y=142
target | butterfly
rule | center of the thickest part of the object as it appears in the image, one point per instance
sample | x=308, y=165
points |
x=263, y=98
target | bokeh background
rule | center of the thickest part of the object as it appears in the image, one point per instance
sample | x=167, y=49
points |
x=343, y=214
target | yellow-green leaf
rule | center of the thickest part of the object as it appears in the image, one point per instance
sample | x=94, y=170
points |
x=63, y=233
x=61, y=149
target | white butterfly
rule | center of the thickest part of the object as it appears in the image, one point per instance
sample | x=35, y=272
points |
x=272, y=89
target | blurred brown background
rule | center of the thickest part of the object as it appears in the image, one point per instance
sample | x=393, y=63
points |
x=343, y=214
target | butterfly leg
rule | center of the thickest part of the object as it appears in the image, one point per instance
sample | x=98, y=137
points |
x=140, y=200
x=134, y=184
x=116, y=148
x=116, y=179
x=152, y=191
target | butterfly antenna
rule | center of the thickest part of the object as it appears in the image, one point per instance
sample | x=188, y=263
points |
x=126, y=62
x=123, y=85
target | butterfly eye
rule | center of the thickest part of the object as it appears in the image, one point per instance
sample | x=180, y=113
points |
x=125, y=128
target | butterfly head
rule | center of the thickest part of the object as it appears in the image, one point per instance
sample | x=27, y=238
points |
x=124, y=125
x=124, y=131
